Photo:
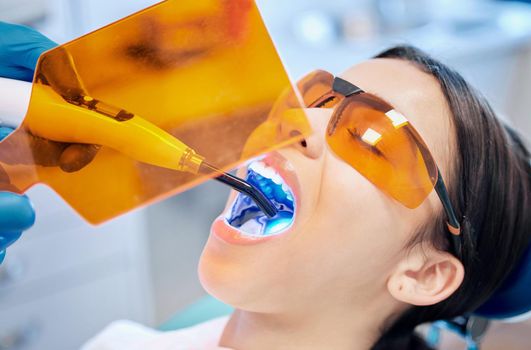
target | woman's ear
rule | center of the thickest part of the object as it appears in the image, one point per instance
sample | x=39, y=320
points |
x=425, y=276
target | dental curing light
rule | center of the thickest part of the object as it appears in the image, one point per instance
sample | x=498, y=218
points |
x=88, y=121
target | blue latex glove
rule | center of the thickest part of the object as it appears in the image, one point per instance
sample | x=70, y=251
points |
x=16, y=213
x=20, y=48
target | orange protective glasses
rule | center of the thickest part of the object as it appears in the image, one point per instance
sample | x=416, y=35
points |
x=379, y=142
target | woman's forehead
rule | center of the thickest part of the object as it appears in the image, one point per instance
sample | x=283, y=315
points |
x=415, y=94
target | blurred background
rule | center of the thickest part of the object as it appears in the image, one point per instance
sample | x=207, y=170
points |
x=67, y=280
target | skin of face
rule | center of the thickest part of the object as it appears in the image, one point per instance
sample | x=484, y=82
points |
x=344, y=261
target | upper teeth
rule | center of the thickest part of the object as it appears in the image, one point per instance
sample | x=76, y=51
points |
x=245, y=216
x=269, y=172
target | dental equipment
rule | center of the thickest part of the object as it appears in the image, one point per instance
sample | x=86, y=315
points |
x=89, y=121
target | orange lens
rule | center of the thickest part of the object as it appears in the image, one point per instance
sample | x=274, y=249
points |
x=316, y=88
x=381, y=144
x=115, y=114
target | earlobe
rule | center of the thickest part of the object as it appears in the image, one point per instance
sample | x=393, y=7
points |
x=426, y=276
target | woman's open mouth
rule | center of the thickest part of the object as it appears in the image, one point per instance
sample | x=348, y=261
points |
x=248, y=218
x=243, y=221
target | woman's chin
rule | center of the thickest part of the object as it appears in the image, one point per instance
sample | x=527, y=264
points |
x=223, y=277
x=237, y=274
x=211, y=275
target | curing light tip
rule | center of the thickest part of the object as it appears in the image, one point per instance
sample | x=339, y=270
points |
x=243, y=187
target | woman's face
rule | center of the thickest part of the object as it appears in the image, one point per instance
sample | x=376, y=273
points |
x=347, y=236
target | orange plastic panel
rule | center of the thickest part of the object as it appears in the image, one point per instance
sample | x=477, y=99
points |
x=116, y=116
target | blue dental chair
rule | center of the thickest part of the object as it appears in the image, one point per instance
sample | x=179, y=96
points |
x=511, y=303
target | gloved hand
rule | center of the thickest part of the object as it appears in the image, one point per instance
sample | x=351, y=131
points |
x=20, y=48
x=16, y=213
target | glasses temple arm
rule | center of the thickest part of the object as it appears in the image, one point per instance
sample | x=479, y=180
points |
x=453, y=224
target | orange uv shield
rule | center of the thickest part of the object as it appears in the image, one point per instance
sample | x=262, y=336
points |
x=123, y=116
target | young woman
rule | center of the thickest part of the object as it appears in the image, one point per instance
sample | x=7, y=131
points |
x=358, y=269
x=370, y=242
x=372, y=250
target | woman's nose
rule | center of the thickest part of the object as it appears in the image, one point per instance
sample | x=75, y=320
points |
x=313, y=144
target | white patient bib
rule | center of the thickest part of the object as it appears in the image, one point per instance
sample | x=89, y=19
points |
x=127, y=335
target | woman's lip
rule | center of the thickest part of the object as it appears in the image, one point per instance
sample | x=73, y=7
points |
x=221, y=228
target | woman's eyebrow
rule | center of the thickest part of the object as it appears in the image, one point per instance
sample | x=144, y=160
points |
x=374, y=93
x=381, y=98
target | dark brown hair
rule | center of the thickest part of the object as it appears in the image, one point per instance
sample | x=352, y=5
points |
x=490, y=188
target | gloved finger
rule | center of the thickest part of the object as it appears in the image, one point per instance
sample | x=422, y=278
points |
x=8, y=238
x=29, y=149
x=76, y=156
x=2, y=256
x=5, y=182
x=4, y=131
x=18, y=73
x=22, y=46
x=16, y=212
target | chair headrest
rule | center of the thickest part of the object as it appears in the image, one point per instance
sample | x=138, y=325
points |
x=513, y=299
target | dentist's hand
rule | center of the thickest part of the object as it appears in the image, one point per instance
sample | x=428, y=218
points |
x=20, y=48
x=16, y=213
